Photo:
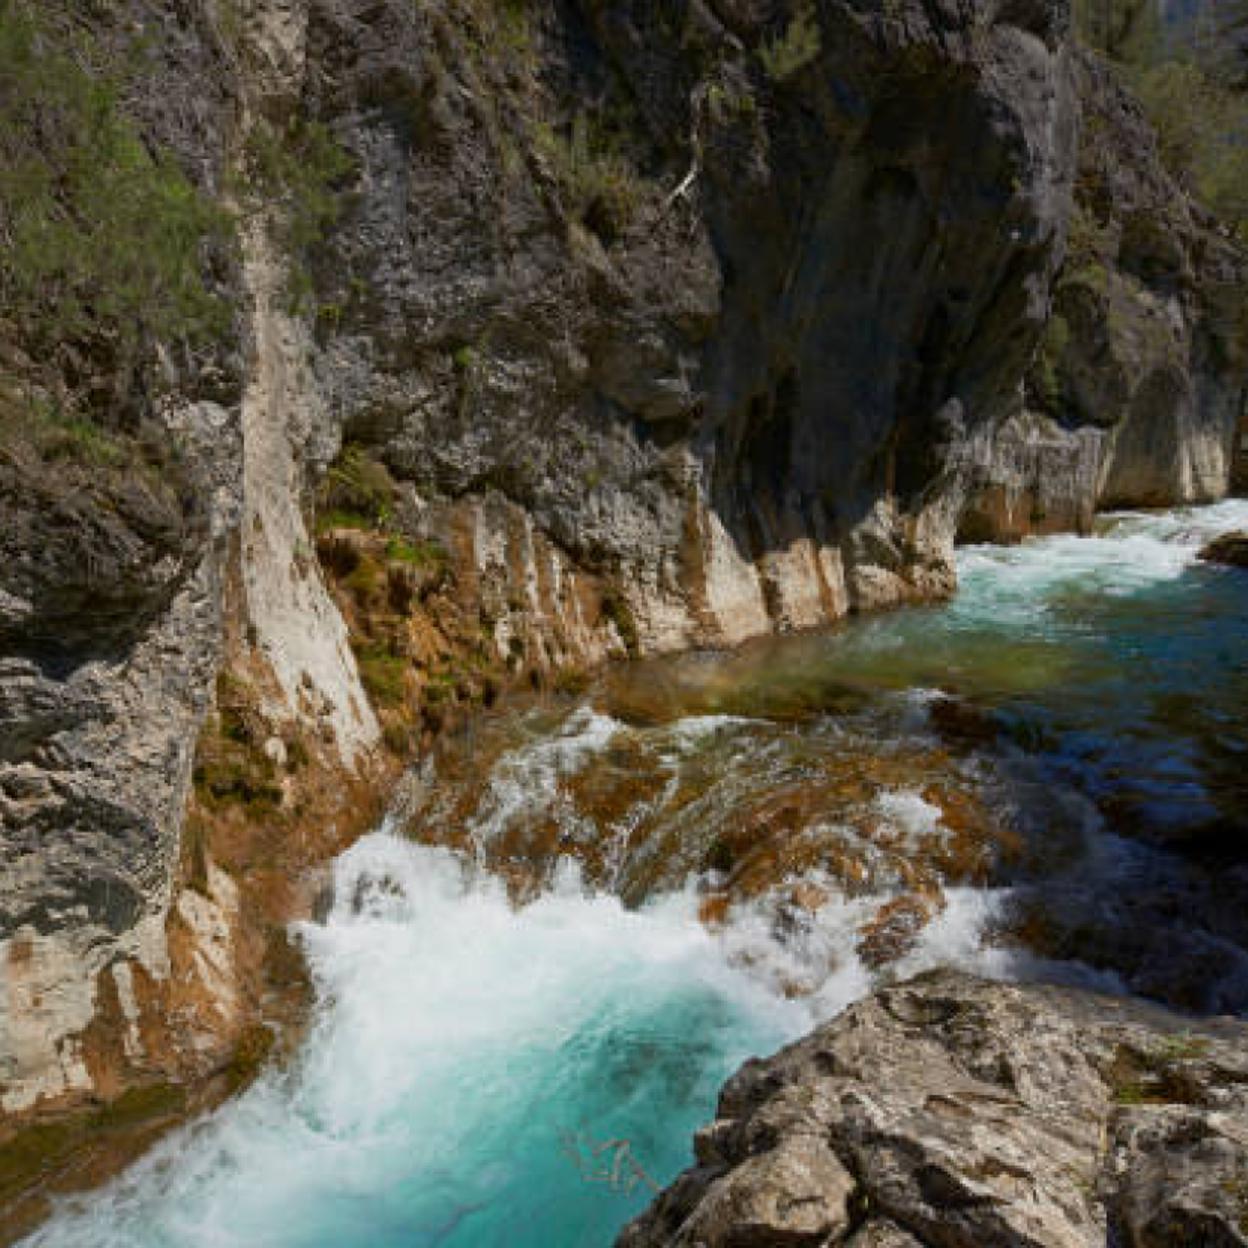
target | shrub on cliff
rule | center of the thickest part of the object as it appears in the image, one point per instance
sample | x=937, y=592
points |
x=101, y=238
x=799, y=44
x=295, y=171
x=1202, y=128
x=1190, y=72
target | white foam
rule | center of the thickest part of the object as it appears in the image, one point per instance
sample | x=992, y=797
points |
x=1130, y=551
x=695, y=728
x=446, y=1018
x=525, y=781
x=909, y=813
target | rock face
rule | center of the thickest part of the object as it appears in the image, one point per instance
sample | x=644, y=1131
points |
x=570, y=330
x=1136, y=397
x=719, y=325
x=949, y=1111
x=668, y=325
x=113, y=542
x=134, y=953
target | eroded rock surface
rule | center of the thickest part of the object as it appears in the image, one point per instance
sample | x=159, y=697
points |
x=950, y=1111
x=721, y=330
x=665, y=324
x=1136, y=395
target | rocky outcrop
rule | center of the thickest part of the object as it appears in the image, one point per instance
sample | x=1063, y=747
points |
x=715, y=308
x=663, y=326
x=113, y=541
x=949, y=1111
x=1230, y=548
x=1139, y=392
x=141, y=933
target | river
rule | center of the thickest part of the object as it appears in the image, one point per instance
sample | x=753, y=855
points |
x=592, y=907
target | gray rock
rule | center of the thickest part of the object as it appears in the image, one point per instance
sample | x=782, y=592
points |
x=971, y=1113
x=1136, y=396
x=677, y=346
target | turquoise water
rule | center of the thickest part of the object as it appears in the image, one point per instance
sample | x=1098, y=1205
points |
x=483, y=1074
x=1148, y=710
x=478, y=1075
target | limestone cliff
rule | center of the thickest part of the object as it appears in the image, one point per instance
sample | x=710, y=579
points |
x=557, y=330
x=1138, y=395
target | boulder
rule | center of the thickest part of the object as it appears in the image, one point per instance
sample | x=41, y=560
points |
x=959, y=1113
x=1229, y=548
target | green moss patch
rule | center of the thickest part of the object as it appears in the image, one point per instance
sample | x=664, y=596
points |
x=40, y=1150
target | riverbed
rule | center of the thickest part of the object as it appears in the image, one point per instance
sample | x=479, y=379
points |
x=591, y=907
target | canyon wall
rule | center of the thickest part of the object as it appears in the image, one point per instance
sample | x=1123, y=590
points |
x=1136, y=396
x=560, y=331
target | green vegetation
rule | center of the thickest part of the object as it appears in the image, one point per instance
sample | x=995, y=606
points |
x=43, y=1147
x=1048, y=362
x=254, y=1046
x=356, y=493
x=1123, y=30
x=1202, y=129
x=800, y=43
x=616, y=609
x=294, y=175
x=514, y=29
x=1236, y=1187
x=1133, y=1094
x=729, y=102
x=1183, y=1047
x=1087, y=240
x=295, y=171
x=417, y=554
x=383, y=673
x=57, y=433
x=231, y=767
x=101, y=238
x=139, y=1105
x=603, y=190
x=571, y=681
x=1193, y=83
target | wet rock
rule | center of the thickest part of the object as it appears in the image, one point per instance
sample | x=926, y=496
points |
x=895, y=929
x=972, y=1113
x=1230, y=548
x=794, y=1194
x=882, y=1233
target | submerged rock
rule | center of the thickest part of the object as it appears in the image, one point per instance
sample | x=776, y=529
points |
x=956, y=1112
x=1230, y=548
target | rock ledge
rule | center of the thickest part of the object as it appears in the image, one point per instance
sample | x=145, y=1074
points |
x=958, y=1113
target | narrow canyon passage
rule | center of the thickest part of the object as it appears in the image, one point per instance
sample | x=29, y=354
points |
x=592, y=908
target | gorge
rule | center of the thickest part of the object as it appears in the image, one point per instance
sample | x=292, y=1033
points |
x=515, y=338
x=483, y=1072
